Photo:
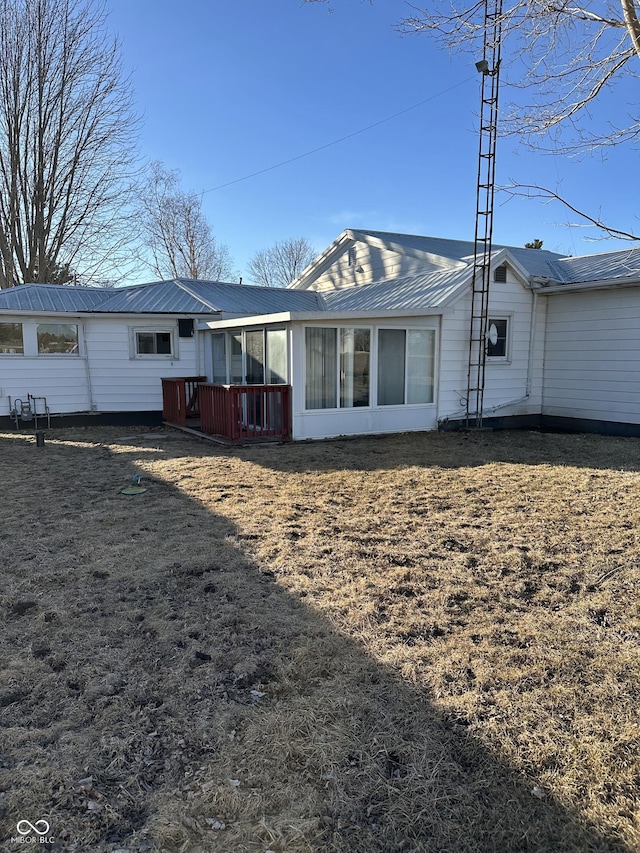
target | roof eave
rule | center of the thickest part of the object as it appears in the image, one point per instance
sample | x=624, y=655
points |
x=228, y=321
x=575, y=286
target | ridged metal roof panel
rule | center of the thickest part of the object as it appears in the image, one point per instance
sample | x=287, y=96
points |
x=534, y=260
x=246, y=299
x=415, y=292
x=622, y=264
x=181, y=296
x=52, y=297
x=160, y=297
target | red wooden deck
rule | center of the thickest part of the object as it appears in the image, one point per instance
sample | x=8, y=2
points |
x=246, y=412
x=237, y=413
x=180, y=399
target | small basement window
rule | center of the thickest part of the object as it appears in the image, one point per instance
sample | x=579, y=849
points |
x=11, y=342
x=152, y=342
x=500, y=274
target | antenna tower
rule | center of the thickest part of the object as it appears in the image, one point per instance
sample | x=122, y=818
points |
x=489, y=67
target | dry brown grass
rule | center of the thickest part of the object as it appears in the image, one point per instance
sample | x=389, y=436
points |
x=414, y=643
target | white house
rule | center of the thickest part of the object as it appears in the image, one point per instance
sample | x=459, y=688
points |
x=373, y=337
x=93, y=354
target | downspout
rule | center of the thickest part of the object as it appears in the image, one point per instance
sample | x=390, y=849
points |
x=197, y=345
x=92, y=405
x=529, y=380
x=532, y=341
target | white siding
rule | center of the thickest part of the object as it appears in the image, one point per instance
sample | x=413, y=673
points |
x=371, y=264
x=62, y=379
x=359, y=421
x=121, y=383
x=593, y=356
x=104, y=377
x=505, y=382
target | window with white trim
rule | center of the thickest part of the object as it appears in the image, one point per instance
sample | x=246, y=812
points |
x=57, y=339
x=498, y=338
x=154, y=343
x=337, y=367
x=11, y=340
x=406, y=364
x=252, y=357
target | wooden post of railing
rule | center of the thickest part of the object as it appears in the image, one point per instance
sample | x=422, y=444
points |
x=180, y=398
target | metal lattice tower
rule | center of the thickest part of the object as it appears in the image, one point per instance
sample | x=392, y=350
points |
x=490, y=70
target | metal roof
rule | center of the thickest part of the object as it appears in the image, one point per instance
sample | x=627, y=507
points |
x=180, y=296
x=160, y=297
x=460, y=250
x=622, y=264
x=536, y=262
x=52, y=297
x=247, y=299
x=427, y=292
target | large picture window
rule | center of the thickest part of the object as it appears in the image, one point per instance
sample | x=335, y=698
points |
x=406, y=359
x=11, y=341
x=338, y=367
x=57, y=339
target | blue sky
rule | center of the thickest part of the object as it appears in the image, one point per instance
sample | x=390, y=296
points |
x=227, y=89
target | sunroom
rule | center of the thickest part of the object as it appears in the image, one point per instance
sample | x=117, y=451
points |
x=319, y=374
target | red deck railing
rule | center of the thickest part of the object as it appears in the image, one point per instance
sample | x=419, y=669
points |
x=244, y=412
x=180, y=399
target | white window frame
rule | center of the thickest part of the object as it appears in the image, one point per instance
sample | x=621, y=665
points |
x=338, y=326
x=153, y=330
x=374, y=330
x=242, y=332
x=406, y=329
x=506, y=358
x=73, y=354
x=14, y=354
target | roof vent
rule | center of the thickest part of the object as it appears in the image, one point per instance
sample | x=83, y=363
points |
x=500, y=274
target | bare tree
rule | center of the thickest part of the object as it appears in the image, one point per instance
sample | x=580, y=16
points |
x=67, y=141
x=176, y=233
x=282, y=263
x=558, y=57
x=565, y=54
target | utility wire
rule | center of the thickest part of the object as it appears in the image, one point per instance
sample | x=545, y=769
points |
x=341, y=139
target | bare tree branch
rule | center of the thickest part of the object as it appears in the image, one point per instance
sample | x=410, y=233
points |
x=535, y=191
x=632, y=23
x=67, y=142
x=564, y=54
x=176, y=233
